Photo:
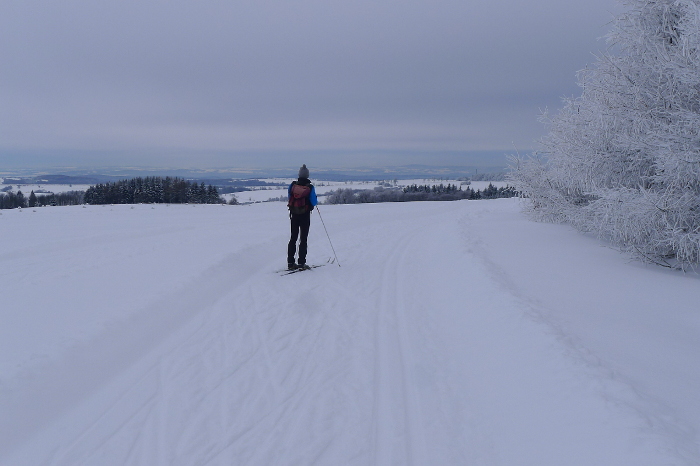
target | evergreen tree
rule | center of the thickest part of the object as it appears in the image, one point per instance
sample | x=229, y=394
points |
x=213, y=196
x=20, y=200
x=152, y=190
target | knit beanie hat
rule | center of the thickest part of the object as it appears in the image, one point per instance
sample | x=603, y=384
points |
x=303, y=172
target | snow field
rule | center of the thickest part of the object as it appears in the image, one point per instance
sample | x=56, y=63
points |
x=452, y=334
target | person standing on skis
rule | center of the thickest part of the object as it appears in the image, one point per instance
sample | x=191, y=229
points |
x=301, y=201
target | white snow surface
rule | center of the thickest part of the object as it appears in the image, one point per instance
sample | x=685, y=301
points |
x=454, y=333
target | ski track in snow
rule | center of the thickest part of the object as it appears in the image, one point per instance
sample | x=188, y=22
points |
x=416, y=351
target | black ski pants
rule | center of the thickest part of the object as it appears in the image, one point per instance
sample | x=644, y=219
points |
x=300, y=230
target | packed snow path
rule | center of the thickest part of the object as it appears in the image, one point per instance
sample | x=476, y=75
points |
x=163, y=336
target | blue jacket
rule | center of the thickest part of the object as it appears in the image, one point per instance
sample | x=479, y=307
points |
x=312, y=195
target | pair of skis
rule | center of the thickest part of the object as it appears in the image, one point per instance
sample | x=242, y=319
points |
x=302, y=269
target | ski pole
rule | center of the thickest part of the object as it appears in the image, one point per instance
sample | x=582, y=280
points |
x=329, y=237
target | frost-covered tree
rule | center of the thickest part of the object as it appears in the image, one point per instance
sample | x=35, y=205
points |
x=623, y=159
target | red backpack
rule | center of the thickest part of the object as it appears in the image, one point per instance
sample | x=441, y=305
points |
x=298, y=203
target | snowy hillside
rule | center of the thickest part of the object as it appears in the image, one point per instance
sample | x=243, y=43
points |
x=454, y=333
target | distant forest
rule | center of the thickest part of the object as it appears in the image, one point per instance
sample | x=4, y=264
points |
x=10, y=200
x=153, y=190
x=417, y=193
x=149, y=190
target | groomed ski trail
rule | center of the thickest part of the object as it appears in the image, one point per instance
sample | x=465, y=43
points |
x=396, y=419
x=411, y=353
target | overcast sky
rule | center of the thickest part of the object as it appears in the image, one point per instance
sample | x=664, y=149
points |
x=226, y=83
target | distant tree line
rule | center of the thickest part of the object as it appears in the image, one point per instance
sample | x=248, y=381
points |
x=153, y=189
x=11, y=200
x=495, y=176
x=416, y=193
x=233, y=189
x=237, y=186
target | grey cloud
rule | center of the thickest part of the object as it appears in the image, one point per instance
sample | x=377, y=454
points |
x=273, y=74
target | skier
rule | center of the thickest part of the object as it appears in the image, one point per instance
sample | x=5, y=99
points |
x=301, y=201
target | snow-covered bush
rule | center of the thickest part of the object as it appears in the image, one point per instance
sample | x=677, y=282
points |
x=623, y=159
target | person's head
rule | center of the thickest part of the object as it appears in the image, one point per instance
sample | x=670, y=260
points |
x=303, y=172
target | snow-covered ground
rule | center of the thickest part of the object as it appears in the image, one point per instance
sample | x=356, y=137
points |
x=454, y=333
